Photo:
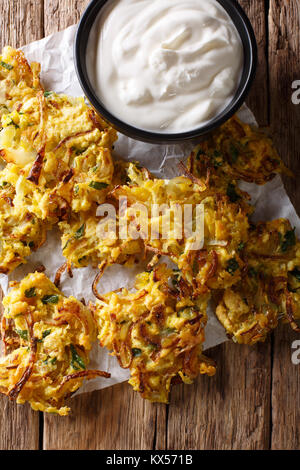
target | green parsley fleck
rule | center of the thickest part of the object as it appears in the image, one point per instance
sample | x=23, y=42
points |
x=50, y=299
x=6, y=66
x=98, y=185
x=23, y=334
x=296, y=273
x=232, y=266
x=136, y=352
x=288, y=241
x=80, y=232
x=29, y=293
x=231, y=193
x=76, y=359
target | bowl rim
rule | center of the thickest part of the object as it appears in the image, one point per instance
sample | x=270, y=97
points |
x=236, y=13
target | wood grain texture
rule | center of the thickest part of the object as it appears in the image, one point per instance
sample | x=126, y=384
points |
x=284, y=57
x=115, y=418
x=228, y=411
x=21, y=22
x=258, y=98
x=60, y=14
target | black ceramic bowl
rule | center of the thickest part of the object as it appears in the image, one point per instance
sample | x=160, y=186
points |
x=245, y=30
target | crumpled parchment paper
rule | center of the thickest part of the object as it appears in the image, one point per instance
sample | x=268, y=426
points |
x=55, y=53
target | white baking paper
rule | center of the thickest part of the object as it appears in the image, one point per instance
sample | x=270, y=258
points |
x=55, y=53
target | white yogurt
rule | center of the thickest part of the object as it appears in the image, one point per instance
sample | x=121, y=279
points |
x=166, y=66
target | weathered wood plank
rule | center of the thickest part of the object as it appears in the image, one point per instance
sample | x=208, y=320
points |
x=115, y=418
x=284, y=25
x=21, y=22
x=228, y=411
x=258, y=98
x=60, y=14
x=232, y=410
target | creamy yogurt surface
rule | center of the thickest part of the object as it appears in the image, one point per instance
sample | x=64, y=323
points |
x=166, y=66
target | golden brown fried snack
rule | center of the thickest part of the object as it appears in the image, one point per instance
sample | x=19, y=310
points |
x=61, y=143
x=236, y=151
x=47, y=339
x=18, y=80
x=83, y=244
x=157, y=332
x=87, y=239
x=269, y=289
x=22, y=229
x=216, y=262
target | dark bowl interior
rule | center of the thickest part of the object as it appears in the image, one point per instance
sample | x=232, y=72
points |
x=245, y=30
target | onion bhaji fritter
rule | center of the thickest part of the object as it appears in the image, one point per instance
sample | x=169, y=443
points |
x=19, y=81
x=236, y=151
x=21, y=229
x=47, y=339
x=157, y=332
x=269, y=289
x=217, y=262
x=63, y=144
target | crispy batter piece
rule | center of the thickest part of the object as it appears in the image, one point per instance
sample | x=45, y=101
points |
x=157, y=332
x=236, y=151
x=88, y=239
x=65, y=144
x=18, y=80
x=47, y=339
x=211, y=263
x=22, y=229
x=269, y=289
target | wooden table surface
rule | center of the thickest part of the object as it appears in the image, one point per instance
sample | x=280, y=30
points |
x=253, y=402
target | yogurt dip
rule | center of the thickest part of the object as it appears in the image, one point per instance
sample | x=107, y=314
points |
x=167, y=66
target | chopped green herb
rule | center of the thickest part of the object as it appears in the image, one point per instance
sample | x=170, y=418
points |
x=241, y=246
x=232, y=266
x=217, y=159
x=231, y=193
x=12, y=123
x=47, y=93
x=66, y=245
x=98, y=185
x=50, y=299
x=53, y=361
x=169, y=331
x=186, y=313
x=80, y=151
x=44, y=335
x=80, y=232
x=136, y=352
x=76, y=189
x=29, y=293
x=252, y=272
x=95, y=168
x=288, y=241
x=6, y=66
x=199, y=153
x=76, y=359
x=234, y=153
x=296, y=273
x=23, y=334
